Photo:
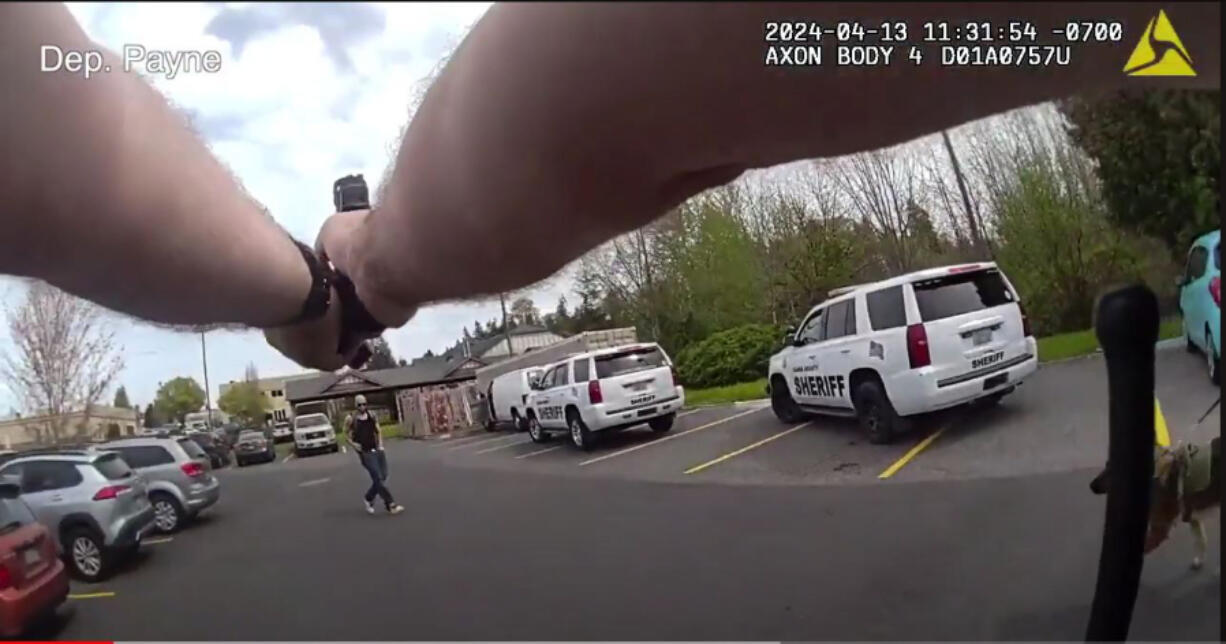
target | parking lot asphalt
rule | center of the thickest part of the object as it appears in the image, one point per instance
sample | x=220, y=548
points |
x=989, y=533
x=1054, y=422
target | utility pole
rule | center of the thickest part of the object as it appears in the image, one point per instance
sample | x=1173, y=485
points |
x=506, y=328
x=966, y=199
x=208, y=402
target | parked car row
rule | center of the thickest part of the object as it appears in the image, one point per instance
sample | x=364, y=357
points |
x=879, y=352
x=84, y=511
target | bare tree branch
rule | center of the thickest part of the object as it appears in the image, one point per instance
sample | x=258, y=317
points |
x=64, y=357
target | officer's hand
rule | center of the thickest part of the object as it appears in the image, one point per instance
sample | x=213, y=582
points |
x=314, y=344
x=311, y=344
x=341, y=238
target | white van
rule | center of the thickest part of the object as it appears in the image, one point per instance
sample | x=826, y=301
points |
x=909, y=345
x=509, y=396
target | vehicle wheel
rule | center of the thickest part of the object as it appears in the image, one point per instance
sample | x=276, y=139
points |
x=240, y=462
x=169, y=514
x=535, y=432
x=876, y=414
x=1188, y=345
x=785, y=408
x=335, y=448
x=1215, y=360
x=580, y=435
x=87, y=558
x=662, y=424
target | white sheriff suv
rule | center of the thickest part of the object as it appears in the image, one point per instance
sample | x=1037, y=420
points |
x=605, y=390
x=908, y=345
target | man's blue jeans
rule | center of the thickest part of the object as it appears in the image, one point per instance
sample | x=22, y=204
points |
x=375, y=463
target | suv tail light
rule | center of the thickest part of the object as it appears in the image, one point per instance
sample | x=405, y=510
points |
x=193, y=469
x=1215, y=289
x=110, y=492
x=917, y=346
x=672, y=370
x=525, y=399
x=593, y=392
x=1025, y=321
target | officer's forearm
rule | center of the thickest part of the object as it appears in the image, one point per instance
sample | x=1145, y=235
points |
x=573, y=123
x=108, y=194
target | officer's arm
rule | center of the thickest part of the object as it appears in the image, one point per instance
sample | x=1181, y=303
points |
x=107, y=193
x=597, y=118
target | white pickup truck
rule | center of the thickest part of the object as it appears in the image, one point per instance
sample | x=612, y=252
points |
x=314, y=433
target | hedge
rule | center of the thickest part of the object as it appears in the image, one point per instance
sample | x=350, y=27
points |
x=728, y=357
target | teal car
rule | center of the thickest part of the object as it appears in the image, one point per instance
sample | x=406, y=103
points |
x=1200, y=300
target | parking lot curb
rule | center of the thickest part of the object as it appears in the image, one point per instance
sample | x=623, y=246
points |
x=1161, y=345
x=738, y=403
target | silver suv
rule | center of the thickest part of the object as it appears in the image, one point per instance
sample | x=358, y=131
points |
x=92, y=502
x=179, y=475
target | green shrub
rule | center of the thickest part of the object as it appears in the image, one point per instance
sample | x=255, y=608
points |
x=736, y=355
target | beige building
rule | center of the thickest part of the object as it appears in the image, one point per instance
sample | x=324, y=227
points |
x=273, y=390
x=101, y=422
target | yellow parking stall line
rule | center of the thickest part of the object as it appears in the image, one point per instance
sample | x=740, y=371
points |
x=154, y=542
x=1162, y=435
x=906, y=458
x=721, y=459
x=91, y=596
x=666, y=438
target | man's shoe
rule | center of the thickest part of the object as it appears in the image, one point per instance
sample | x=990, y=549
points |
x=395, y=508
x=370, y=508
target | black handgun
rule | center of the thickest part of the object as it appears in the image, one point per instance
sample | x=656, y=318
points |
x=350, y=193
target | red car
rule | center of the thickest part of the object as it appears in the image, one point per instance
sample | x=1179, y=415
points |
x=33, y=580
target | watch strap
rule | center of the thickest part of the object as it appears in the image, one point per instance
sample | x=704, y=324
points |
x=319, y=298
x=357, y=323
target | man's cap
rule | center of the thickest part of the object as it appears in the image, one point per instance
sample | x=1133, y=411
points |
x=359, y=399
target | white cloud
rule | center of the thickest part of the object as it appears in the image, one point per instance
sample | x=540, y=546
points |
x=287, y=119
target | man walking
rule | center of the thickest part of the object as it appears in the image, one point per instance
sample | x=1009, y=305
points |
x=364, y=436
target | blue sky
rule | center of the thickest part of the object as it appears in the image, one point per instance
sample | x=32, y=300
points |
x=307, y=92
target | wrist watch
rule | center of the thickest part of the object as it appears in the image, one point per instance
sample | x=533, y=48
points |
x=357, y=323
